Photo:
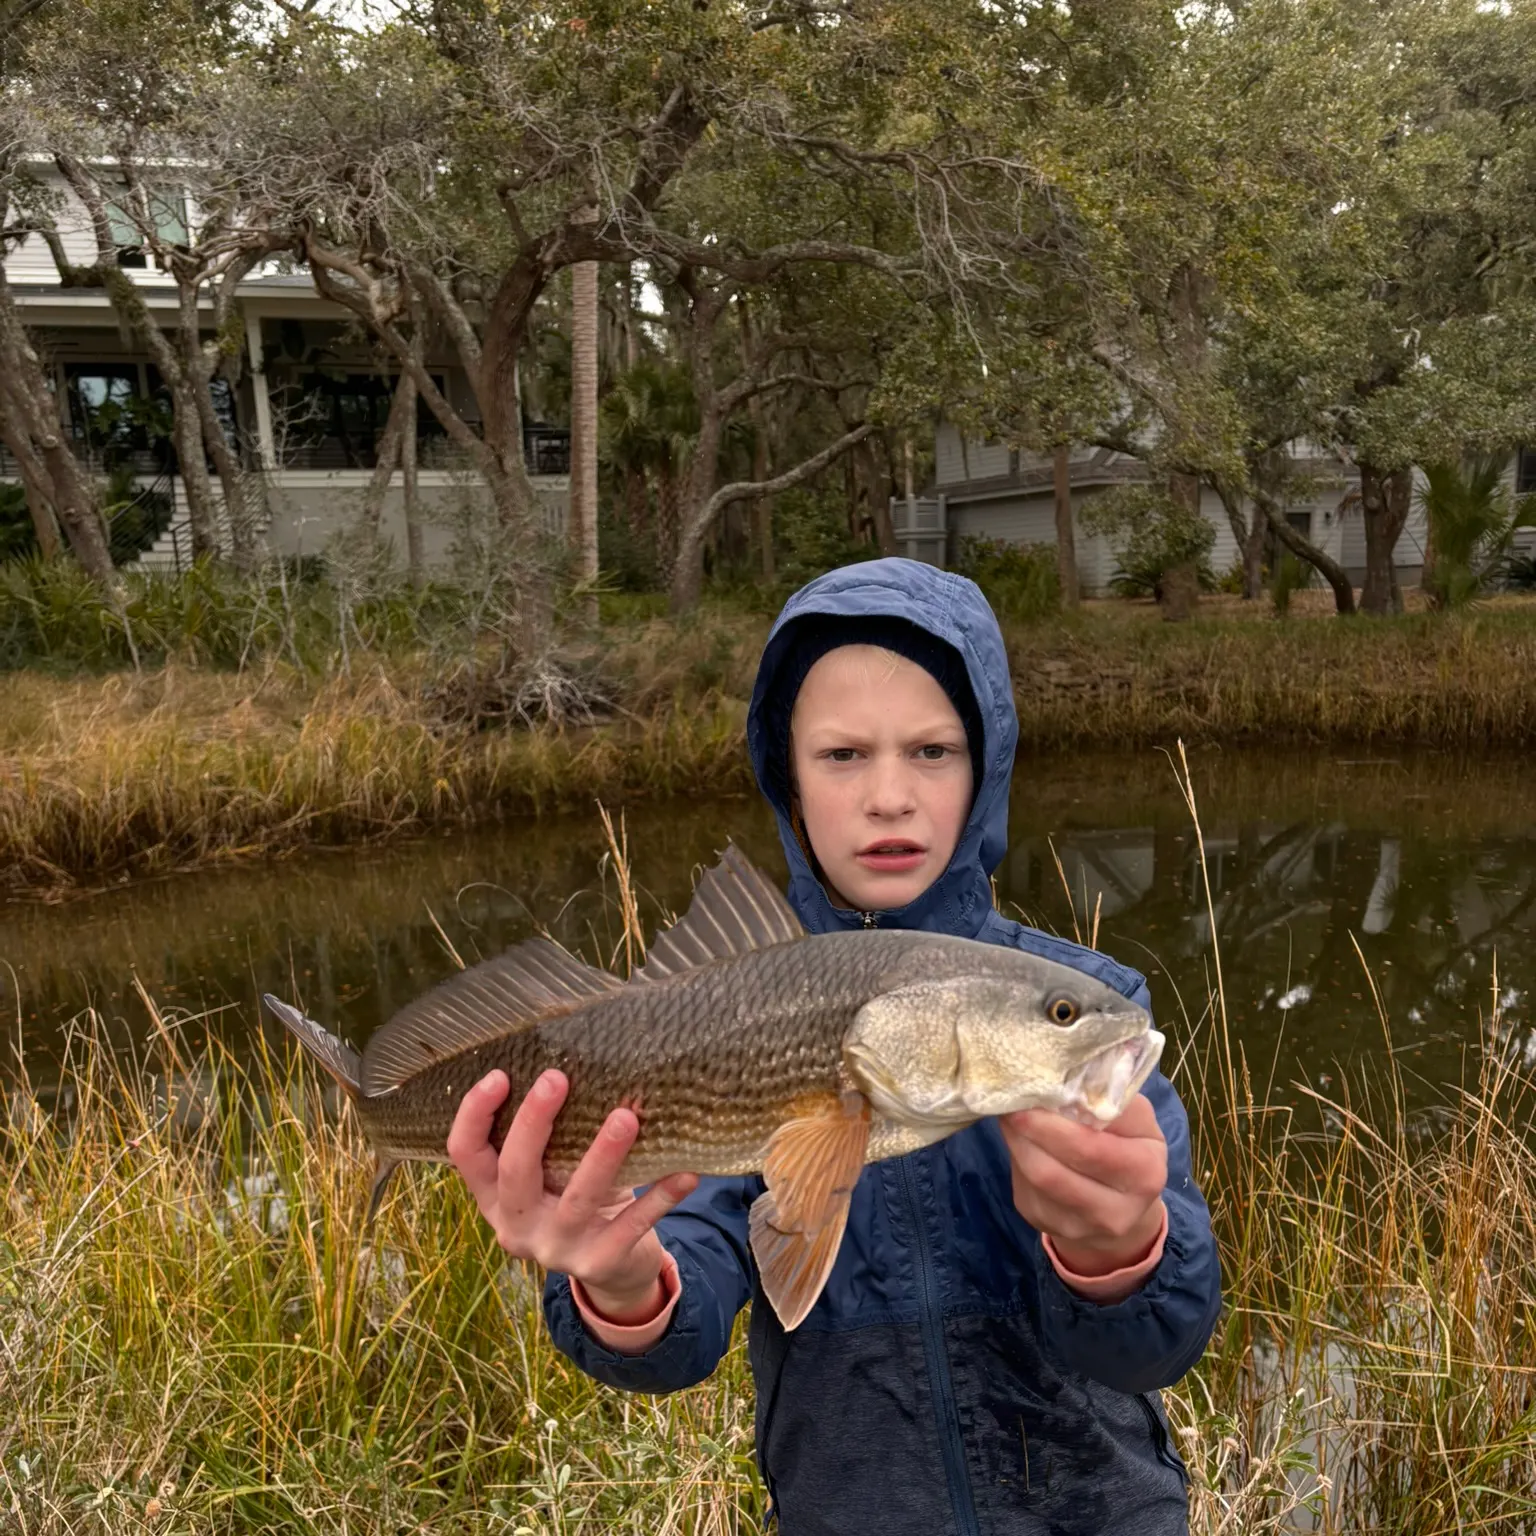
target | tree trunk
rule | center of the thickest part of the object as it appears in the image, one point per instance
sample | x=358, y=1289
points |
x=1428, y=582
x=668, y=517
x=695, y=514
x=400, y=424
x=877, y=471
x=187, y=432
x=761, y=507
x=636, y=501
x=1384, y=500
x=1304, y=549
x=687, y=578
x=198, y=369
x=1250, y=532
x=582, y=532
x=1253, y=556
x=35, y=414
x=35, y=483
x=1180, y=593
x=1066, y=536
x=415, y=553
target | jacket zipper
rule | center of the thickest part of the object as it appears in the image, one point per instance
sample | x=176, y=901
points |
x=1160, y=1446
x=953, y=1451
x=867, y=920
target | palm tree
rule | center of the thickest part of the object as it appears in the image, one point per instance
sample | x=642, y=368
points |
x=650, y=425
x=1473, y=517
x=583, y=526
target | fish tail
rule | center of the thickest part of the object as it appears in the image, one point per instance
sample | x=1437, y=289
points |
x=336, y=1056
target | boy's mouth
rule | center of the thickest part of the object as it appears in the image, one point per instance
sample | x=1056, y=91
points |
x=891, y=855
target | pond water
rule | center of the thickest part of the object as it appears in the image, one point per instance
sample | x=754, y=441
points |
x=1331, y=872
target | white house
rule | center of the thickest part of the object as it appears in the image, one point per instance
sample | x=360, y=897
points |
x=990, y=490
x=310, y=403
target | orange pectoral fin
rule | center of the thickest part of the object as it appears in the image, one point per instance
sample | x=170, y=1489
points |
x=797, y=1225
x=815, y=1159
x=794, y=1265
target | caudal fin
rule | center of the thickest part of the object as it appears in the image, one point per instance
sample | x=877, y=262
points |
x=336, y=1056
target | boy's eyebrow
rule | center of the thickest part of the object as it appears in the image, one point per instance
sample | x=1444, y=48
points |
x=924, y=731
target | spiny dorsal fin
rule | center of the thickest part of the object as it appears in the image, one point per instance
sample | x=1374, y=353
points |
x=336, y=1056
x=504, y=996
x=734, y=909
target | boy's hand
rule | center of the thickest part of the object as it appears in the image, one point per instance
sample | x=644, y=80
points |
x=1096, y=1193
x=592, y=1230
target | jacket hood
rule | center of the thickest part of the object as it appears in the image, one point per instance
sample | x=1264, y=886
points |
x=952, y=609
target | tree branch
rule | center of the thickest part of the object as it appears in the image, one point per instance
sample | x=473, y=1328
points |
x=741, y=489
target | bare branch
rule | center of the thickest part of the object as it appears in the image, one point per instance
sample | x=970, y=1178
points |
x=741, y=489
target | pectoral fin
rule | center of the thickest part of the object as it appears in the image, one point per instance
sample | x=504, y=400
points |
x=794, y=1265
x=796, y=1225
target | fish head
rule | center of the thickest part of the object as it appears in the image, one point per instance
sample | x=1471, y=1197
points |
x=951, y=1051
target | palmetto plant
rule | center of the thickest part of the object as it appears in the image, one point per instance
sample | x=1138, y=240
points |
x=1473, y=517
x=650, y=422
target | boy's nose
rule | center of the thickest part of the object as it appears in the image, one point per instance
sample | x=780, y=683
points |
x=890, y=789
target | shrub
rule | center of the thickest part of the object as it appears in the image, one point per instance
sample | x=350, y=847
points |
x=1473, y=518
x=1019, y=580
x=1153, y=533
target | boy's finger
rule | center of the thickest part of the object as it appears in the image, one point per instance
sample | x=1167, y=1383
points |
x=1133, y=1165
x=597, y=1175
x=1138, y=1118
x=469, y=1140
x=639, y=1216
x=1074, y=1208
x=521, y=1164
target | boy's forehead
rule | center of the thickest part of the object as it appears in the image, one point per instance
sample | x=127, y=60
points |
x=847, y=667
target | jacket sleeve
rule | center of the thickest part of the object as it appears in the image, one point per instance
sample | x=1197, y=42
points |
x=707, y=1235
x=1156, y=1334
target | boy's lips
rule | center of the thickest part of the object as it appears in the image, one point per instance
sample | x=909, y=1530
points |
x=892, y=855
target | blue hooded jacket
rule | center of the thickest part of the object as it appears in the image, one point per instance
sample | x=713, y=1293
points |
x=946, y=1381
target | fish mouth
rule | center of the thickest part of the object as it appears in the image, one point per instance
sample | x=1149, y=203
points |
x=1100, y=1089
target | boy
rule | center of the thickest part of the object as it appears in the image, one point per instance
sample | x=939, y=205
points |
x=987, y=1351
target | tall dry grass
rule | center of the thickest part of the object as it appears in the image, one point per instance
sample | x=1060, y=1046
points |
x=193, y=1338
x=183, y=765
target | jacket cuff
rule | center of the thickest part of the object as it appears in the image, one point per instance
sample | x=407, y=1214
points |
x=1115, y=1286
x=637, y=1338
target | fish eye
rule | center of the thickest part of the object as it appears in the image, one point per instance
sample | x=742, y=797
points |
x=1061, y=1010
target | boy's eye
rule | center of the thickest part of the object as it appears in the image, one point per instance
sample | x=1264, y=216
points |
x=842, y=754
x=933, y=753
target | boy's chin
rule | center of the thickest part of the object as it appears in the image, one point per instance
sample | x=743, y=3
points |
x=865, y=892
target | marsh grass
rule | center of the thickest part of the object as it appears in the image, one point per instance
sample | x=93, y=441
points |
x=183, y=764
x=193, y=1337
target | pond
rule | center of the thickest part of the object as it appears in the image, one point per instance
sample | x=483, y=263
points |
x=1334, y=874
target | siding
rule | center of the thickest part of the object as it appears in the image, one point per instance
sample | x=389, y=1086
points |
x=1031, y=519
x=32, y=262
x=948, y=456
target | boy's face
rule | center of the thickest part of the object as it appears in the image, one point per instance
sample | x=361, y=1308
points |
x=879, y=762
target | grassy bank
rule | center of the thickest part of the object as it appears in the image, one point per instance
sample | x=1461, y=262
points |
x=125, y=772
x=192, y=1338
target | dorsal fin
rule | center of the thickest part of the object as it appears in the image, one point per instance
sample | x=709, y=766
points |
x=531, y=981
x=734, y=909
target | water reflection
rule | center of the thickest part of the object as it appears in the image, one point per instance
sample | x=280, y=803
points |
x=1428, y=866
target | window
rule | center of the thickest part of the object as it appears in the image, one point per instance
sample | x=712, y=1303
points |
x=1525, y=471
x=336, y=420
x=1301, y=522
x=102, y=400
x=168, y=210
